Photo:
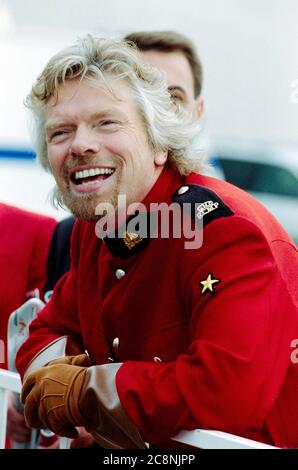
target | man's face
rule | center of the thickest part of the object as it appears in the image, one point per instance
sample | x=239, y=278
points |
x=179, y=77
x=98, y=147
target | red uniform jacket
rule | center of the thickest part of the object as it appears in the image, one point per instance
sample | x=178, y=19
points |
x=24, y=243
x=217, y=358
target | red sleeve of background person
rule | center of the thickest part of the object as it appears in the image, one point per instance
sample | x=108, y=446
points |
x=24, y=244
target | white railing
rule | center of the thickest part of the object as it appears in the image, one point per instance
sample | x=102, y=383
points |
x=203, y=439
x=10, y=381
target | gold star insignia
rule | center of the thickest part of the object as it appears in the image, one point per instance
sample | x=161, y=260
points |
x=131, y=239
x=208, y=284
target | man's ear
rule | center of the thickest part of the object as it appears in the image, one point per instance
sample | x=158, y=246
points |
x=160, y=158
x=200, y=107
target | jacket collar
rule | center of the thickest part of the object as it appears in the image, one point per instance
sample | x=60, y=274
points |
x=129, y=238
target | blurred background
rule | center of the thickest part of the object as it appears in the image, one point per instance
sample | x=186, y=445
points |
x=249, y=50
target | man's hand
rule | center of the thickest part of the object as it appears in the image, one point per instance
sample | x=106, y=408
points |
x=80, y=360
x=17, y=430
x=83, y=441
x=51, y=397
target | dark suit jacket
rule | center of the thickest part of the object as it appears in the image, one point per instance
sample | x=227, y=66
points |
x=58, y=262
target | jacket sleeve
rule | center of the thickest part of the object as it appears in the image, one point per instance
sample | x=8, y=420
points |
x=231, y=374
x=51, y=334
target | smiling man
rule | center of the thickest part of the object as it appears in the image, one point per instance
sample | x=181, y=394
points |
x=176, y=338
x=176, y=56
x=106, y=137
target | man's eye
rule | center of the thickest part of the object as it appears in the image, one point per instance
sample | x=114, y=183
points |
x=177, y=98
x=57, y=134
x=108, y=122
x=107, y=125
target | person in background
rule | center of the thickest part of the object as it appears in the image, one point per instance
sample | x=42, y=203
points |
x=177, y=57
x=146, y=335
x=25, y=238
x=58, y=261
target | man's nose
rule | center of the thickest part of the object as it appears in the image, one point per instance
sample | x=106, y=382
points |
x=85, y=141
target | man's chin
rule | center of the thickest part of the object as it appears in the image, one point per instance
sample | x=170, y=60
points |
x=86, y=217
x=82, y=207
x=83, y=210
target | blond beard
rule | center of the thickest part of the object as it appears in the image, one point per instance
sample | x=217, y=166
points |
x=82, y=207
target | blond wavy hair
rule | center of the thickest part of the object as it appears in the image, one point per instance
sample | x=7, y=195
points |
x=168, y=126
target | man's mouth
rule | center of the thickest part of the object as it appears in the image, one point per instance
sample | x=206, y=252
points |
x=90, y=176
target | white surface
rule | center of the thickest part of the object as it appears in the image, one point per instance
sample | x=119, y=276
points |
x=249, y=52
x=24, y=184
x=218, y=440
x=3, y=416
x=8, y=381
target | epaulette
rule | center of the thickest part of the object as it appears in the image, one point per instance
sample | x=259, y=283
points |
x=203, y=203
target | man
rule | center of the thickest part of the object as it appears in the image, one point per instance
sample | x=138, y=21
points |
x=176, y=338
x=176, y=56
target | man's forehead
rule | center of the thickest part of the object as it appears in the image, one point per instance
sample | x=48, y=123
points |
x=59, y=119
x=100, y=96
x=110, y=87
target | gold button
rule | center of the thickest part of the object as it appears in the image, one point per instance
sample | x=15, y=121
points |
x=119, y=273
x=182, y=190
x=116, y=343
x=157, y=359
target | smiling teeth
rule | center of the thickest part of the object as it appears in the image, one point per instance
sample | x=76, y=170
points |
x=87, y=183
x=93, y=172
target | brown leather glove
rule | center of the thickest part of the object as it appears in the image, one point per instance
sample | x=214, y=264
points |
x=100, y=404
x=51, y=397
x=80, y=360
